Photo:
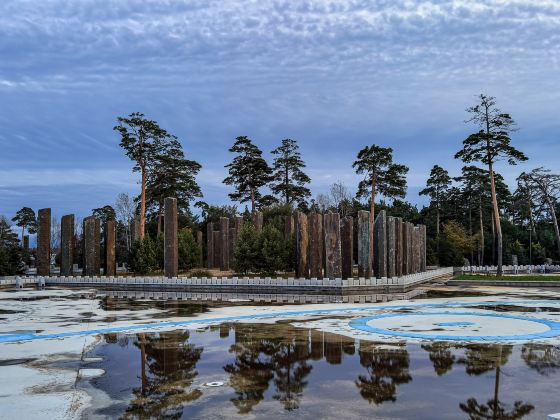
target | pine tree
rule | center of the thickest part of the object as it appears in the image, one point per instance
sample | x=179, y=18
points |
x=437, y=185
x=288, y=178
x=105, y=213
x=25, y=219
x=488, y=145
x=381, y=175
x=247, y=251
x=172, y=176
x=143, y=140
x=247, y=172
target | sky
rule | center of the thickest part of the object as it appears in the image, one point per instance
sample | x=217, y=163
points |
x=333, y=75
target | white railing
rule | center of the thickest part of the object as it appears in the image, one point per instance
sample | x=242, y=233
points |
x=512, y=269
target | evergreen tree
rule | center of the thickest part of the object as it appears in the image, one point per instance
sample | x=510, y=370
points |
x=25, y=218
x=543, y=188
x=246, y=254
x=172, y=176
x=105, y=214
x=381, y=175
x=247, y=172
x=189, y=251
x=271, y=250
x=288, y=178
x=489, y=145
x=437, y=185
x=143, y=141
x=11, y=256
x=143, y=256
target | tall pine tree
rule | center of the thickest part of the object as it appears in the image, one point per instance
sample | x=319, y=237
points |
x=288, y=178
x=247, y=172
x=437, y=185
x=491, y=143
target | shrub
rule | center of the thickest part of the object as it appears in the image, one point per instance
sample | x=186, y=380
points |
x=272, y=251
x=143, y=256
x=189, y=251
x=200, y=273
x=246, y=254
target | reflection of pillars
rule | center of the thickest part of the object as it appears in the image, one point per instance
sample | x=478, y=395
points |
x=224, y=330
x=143, y=363
x=301, y=338
x=333, y=349
x=346, y=245
x=210, y=244
x=302, y=245
x=497, y=381
x=317, y=340
x=315, y=226
x=44, y=242
x=364, y=245
x=333, y=266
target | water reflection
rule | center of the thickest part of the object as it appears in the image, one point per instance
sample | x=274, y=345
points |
x=291, y=366
x=167, y=370
x=386, y=368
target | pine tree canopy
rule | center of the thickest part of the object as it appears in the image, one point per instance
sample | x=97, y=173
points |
x=289, y=180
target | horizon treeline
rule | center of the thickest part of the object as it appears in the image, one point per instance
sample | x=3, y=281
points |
x=472, y=216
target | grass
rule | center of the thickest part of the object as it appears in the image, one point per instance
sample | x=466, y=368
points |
x=482, y=277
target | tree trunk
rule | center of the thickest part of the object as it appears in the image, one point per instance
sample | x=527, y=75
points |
x=286, y=180
x=554, y=220
x=252, y=200
x=143, y=203
x=496, y=219
x=22, y=234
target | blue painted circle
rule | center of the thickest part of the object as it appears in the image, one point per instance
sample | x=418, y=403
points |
x=362, y=324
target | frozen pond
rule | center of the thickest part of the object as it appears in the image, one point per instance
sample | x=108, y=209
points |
x=491, y=353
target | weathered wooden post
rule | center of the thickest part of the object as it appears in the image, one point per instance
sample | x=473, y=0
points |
x=316, y=241
x=302, y=245
x=288, y=226
x=333, y=266
x=200, y=242
x=423, y=247
x=257, y=218
x=398, y=247
x=391, y=246
x=135, y=229
x=409, y=247
x=364, y=245
x=210, y=245
x=171, y=248
x=380, y=238
x=347, y=245
x=216, y=241
x=224, y=246
x=44, y=242
x=110, y=236
x=67, y=245
x=232, y=239
x=92, y=245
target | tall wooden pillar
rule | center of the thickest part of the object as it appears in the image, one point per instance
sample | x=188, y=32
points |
x=67, y=239
x=364, y=245
x=347, y=245
x=316, y=249
x=171, y=248
x=302, y=245
x=333, y=266
x=380, y=239
x=110, y=235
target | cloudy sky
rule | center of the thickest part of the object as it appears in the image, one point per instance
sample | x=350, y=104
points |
x=334, y=75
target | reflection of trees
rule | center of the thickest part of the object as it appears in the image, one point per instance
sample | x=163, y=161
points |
x=386, y=368
x=441, y=356
x=544, y=359
x=168, y=366
x=483, y=358
x=279, y=355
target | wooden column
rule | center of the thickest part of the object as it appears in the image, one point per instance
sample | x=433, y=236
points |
x=67, y=239
x=406, y=248
x=92, y=245
x=380, y=239
x=347, y=245
x=302, y=245
x=423, y=248
x=257, y=218
x=171, y=248
x=398, y=247
x=364, y=245
x=200, y=242
x=288, y=226
x=333, y=256
x=44, y=242
x=210, y=245
x=224, y=246
x=232, y=239
x=216, y=241
x=316, y=249
x=391, y=245
x=110, y=236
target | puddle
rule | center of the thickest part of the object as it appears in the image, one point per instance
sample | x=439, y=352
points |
x=12, y=362
x=276, y=369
